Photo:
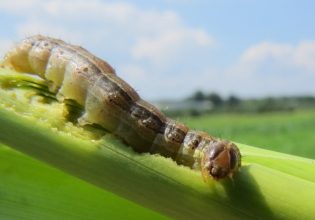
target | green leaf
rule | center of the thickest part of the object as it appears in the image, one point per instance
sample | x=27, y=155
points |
x=269, y=185
x=30, y=189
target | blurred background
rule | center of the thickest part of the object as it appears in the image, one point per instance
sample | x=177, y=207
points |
x=240, y=70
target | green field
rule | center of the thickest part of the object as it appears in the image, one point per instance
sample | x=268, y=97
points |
x=291, y=132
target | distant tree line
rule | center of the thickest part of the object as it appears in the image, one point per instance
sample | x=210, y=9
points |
x=216, y=99
x=234, y=103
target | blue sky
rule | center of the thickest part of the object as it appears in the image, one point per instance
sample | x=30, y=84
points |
x=170, y=48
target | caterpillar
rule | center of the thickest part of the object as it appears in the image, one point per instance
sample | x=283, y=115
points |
x=74, y=73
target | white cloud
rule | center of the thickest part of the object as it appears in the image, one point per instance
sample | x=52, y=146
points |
x=274, y=69
x=300, y=56
x=286, y=56
x=166, y=47
x=262, y=51
x=304, y=56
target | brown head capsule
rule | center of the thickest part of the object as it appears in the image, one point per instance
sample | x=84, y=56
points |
x=220, y=159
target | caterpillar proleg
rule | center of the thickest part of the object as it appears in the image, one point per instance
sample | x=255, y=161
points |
x=74, y=73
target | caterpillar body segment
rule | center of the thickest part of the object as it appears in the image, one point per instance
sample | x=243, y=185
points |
x=74, y=73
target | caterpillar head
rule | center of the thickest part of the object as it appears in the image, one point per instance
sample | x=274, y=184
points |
x=220, y=159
